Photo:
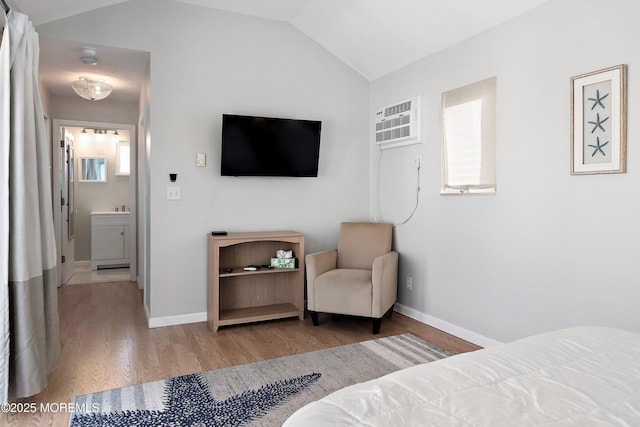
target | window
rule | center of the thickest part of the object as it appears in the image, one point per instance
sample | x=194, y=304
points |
x=469, y=139
x=122, y=158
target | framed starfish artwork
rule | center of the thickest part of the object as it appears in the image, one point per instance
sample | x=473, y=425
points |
x=598, y=122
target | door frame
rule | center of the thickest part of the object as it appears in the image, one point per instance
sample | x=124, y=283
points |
x=66, y=193
x=56, y=174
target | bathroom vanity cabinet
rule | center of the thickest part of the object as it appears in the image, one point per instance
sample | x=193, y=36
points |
x=109, y=239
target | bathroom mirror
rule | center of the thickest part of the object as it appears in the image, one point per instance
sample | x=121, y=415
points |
x=93, y=169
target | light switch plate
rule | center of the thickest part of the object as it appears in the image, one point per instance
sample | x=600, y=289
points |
x=174, y=192
x=201, y=160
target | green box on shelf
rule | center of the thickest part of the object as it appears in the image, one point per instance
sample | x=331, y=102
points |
x=283, y=262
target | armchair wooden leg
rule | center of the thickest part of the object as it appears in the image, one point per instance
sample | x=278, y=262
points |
x=376, y=325
x=389, y=313
x=314, y=318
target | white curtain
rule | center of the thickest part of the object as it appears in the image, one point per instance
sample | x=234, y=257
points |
x=33, y=303
x=4, y=203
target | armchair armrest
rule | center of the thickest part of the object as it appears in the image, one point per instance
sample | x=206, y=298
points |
x=318, y=263
x=384, y=278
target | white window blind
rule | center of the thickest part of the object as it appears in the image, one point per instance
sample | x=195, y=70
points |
x=468, y=160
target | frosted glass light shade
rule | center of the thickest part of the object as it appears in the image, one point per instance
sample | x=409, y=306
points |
x=93, y=90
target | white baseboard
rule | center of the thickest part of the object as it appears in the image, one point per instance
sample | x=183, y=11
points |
x=80, y=264
x=447, y=327
x=450, y=328
x=181, y=319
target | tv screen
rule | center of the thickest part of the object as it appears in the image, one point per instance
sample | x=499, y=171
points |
x=266, y=146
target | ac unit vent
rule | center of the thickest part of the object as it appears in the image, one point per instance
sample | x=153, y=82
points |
x=399, y=124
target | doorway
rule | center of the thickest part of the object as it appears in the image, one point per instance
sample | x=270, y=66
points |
x=91, y=175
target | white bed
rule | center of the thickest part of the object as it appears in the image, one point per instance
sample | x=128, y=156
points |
x=586, y=376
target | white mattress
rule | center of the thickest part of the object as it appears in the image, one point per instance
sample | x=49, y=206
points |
x=586, y=376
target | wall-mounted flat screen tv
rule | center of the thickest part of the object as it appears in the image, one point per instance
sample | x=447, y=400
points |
x=266, y=146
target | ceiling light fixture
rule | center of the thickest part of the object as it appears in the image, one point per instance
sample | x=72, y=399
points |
x=93, y=90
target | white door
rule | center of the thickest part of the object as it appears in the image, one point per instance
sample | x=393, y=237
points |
x=67, y=214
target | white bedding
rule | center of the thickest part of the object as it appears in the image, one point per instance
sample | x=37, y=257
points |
x=586, y=376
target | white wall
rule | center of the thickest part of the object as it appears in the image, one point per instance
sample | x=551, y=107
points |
x=205, y=63
x=551, y=250
x=106, y=110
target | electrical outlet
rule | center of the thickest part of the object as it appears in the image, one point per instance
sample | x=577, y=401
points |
x=410, y=283
x=174, y=192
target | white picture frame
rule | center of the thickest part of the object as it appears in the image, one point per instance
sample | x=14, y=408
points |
x=598, y=122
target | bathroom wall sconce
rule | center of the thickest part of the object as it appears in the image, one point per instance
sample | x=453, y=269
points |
x=99, y=133
x=173, y=177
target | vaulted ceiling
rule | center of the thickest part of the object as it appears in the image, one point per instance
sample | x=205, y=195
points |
x=374, y=37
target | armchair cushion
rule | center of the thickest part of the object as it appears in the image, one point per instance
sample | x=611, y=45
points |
x=360, y=243
x=344, y=291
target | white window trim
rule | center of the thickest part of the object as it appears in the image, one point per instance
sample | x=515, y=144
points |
x=119, y=171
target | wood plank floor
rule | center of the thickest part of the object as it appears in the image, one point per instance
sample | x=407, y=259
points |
x=106, y=344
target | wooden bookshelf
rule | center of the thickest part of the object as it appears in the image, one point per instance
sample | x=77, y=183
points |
x=236, y=296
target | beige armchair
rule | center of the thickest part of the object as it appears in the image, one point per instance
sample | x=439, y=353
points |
x=360, y=278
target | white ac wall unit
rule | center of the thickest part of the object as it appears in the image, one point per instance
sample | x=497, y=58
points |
x=399, y=124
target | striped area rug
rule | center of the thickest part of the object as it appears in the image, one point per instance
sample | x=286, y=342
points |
x=257, y=394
